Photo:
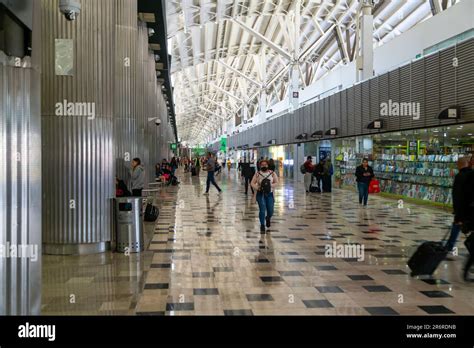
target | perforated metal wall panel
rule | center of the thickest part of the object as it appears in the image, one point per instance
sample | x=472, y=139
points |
x=465, y=79
x=365, y=105
x=393, y=123
x=374, y=103
x=418, y=92
x=307, y=119
x=432, y=90
x=432, y=81
x=344, y=114
x=351, y=111
x=405, y=96
x=357, y=109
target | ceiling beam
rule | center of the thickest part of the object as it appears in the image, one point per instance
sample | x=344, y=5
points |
x=262, y=38
x=238, y=72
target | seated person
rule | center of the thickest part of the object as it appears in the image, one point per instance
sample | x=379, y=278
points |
x=166, y=174
x=158, y=172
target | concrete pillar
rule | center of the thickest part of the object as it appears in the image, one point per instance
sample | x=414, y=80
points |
x=365, y=61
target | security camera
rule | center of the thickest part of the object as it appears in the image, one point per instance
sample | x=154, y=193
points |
x=70, y=9
x=157, y=121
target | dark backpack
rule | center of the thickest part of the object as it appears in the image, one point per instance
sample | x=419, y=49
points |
x=174, y=181
x=266, y=184
x=303, y=169
x=151, y=213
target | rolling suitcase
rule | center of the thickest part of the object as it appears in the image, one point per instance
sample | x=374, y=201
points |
x=427, y=258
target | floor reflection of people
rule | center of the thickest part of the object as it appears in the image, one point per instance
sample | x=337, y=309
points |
x=210, y=210
x=266, y=250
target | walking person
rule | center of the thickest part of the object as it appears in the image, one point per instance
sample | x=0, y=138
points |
x=248, y=172
x=364, y=173
x=328, y=171
x=137, y=177
x=461, y=200
x=468, y=226
x=318, y=174
x=308, y=173
x=271, y=165
x=211, y=168
x=229, y=165
x=264, y=182
x=197, y=165
x=174, y=165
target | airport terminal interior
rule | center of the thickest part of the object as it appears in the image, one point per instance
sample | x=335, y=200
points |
x=236, y=157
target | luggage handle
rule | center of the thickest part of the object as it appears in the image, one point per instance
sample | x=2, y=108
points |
x=445, y=238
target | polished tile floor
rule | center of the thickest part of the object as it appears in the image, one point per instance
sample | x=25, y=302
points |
x=207, y=257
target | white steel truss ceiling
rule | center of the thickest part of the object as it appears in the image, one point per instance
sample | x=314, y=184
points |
x=226, y=52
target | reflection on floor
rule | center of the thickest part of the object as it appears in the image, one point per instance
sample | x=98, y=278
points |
x=208, y=257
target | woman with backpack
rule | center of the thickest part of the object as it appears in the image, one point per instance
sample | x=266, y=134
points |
x=264, y=181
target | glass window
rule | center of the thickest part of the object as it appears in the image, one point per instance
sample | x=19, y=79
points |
x=64, y=62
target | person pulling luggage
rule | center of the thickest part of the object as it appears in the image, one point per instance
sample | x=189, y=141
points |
x=461, y=200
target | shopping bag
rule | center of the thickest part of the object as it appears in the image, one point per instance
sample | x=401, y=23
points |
x=374, y=186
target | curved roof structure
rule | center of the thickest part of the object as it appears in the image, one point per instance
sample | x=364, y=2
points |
x=225, y=53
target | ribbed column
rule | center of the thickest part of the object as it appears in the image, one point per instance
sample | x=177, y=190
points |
x=125, y=119
x=78, y=159
x=20, y=181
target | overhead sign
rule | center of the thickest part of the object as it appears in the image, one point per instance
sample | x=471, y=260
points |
x=223, y=144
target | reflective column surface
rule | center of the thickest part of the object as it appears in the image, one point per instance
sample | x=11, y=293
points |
x=208, y=257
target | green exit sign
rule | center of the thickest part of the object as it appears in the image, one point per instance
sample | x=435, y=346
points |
x=173, y=146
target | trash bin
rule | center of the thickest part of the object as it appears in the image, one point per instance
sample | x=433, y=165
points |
x=129, y=224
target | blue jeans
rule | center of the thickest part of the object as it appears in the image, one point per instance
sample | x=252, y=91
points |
x=211, y=180
x=266, y=204
x=453, y=237
x=363, y=189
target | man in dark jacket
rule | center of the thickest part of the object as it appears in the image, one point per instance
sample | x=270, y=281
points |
x=248, y=171
x=468, y=226
x=318, y=174
x=461, y=197
x=364, y=173
x=463, y=190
